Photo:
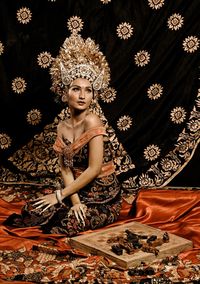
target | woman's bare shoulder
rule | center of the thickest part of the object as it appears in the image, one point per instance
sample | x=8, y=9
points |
x=92, y=120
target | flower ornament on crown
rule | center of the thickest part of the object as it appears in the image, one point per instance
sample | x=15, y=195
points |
x=79, y=58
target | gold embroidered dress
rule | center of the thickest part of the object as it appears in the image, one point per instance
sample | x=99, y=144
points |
x=102, y=196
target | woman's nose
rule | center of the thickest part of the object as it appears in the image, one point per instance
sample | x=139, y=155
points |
x=82, y=94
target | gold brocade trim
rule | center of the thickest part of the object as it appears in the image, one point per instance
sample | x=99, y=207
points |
x=180, y=169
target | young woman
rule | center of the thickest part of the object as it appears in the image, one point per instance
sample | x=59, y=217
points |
x=91, y=197
x=91, y=194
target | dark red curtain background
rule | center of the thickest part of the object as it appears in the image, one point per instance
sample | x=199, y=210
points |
x=153, y=120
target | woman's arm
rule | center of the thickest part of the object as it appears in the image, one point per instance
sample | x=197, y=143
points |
x=68, y=178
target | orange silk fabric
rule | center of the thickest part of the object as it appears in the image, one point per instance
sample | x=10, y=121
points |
x=176, y=211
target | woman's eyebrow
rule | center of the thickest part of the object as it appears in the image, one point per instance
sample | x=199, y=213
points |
x=78, y=86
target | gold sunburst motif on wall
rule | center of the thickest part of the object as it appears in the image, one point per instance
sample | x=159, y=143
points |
x=155, y=91
x=34, y=117
x=156, y=4
x=142, y=58
x=109, y=95
x=24, y=15
x=191, y=44
x=124, y=122
x=124, y=30
x=5, y=141
x=178, y=115
x=75, y=24
x=1, y=48
x=151, y=152
x=44, y=59
x=175, y=22
x=19, y=85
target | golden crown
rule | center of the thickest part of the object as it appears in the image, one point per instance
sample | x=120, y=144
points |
x=79, y=58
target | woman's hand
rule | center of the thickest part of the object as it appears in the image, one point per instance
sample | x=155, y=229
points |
x=45, y=202
x=79, y=212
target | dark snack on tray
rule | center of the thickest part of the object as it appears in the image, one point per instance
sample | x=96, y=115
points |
x=130, y=242
x=151, y=238
x=117, y=249
x=165, y=237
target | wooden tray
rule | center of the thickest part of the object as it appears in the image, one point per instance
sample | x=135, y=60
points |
x=96, y=243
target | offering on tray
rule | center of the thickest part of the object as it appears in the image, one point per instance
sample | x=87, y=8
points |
x=132, y=242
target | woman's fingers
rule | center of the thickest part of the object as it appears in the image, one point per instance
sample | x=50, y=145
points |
x=41, y=201
x=46, y=208
x=40, y=204
x=79, y=213
x=83, y=211
x=81, y=217
x=77, y=216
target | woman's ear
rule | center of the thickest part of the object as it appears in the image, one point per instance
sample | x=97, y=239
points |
x=64, y=98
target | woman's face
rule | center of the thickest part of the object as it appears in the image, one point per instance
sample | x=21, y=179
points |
x=80, y=94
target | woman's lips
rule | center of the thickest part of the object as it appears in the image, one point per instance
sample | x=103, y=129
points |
x=81, y=103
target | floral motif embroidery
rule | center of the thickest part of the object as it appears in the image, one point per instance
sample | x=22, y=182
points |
x=178, y=115
x=169, y=165
x=155, y=91
x=152, y=152
x=198, y=98
x=44, y=59
x=5, y=141
x=75, y=24
x=1, y=48
x=175, y=22
x=24, y=15
x=124, y=122
x=142, y=58
x=194, y=125
x=34, y=117
x=145, y=180
x=124, y=30
x=191, y=44
x=156, y=4
x=109, y=95
x=18, y=85
x=183, y=147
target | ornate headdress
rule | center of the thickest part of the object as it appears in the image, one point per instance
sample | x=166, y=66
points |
x=79, y=58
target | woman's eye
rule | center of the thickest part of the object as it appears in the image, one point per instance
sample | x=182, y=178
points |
x=75, y=89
